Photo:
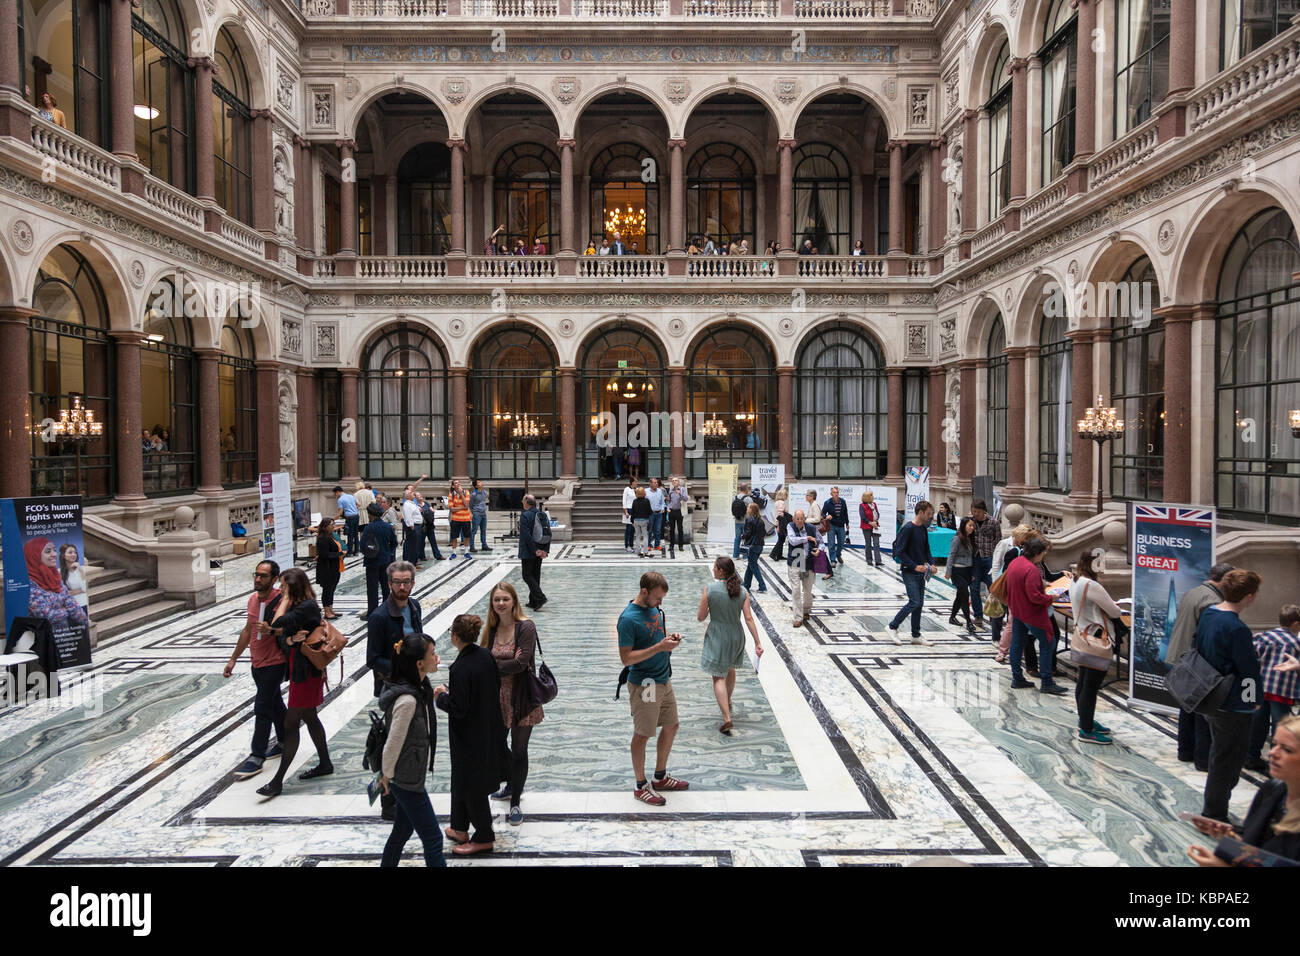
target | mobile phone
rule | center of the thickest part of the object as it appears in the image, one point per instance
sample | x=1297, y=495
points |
x=1197, y=820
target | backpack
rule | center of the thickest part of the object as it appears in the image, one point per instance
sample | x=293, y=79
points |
x=369, y=545
x=373, y=756
x=541, y=528
x=738, y=508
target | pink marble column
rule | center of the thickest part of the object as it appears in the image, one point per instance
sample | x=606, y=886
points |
x=969, y=378
x=348, y=227
x=970, y=177
x=263, y=175
x=896, y=148
x=308, y=415
x=785, y=207
x=204, y=150
x=785, y=414
x=937, y=382
x=677, y=406
x=569, y=424
x=268, y=405
x=567, y=200
x=126, y=398
x=676, y=195
x=348, y=384
x=1177, y=364
x=1083, y=393
x=209, y=438
x=1019, y=125
x=1085, y=111
x=895, y=439
x=938, y=195
x=379, y=215
x=15, y=402
x=459, y=422
x=11, y=73
x=457, y=147
x=121, y=66
x=1182, y=46
x=1015, y=419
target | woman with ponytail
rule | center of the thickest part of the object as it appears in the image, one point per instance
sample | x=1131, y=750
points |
x=1093, y=610
x=412, y=740
x=722, y=604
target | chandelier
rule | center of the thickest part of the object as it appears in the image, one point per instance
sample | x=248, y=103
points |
x=629, y=390
x=831, y=431
x=526, y=427
x=79, y=425
x=715, y=428
x=630, y=222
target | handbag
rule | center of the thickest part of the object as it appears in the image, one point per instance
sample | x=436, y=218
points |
x=1196, y=685
x=541, y=682
x=821, y=562
x=1091, y=646
x=323, y=645
x=993, y=608
x=998, y=590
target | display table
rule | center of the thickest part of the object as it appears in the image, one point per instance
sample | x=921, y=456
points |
x=940, y=542
x=1062, y=607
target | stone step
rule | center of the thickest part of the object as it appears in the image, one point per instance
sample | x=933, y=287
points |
x=141, y=596
x=156, y=609
x=102, y=593
x=97, y=577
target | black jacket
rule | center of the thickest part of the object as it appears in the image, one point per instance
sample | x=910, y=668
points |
x=383, y=630
x=1266, y=809
x=528, y=545
x=479, y=757
x=303, y=617
x=383, y=532
x=327, y=559
x=754, y=532
x=521, y=695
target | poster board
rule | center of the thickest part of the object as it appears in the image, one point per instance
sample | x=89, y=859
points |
x=722, y=488
x=277, y=517
x=918, y=489
x=767, y=480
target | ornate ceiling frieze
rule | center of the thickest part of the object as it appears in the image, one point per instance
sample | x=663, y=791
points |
x=622, y=53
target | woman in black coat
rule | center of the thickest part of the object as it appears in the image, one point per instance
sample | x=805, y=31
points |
x=328, y=556
x=479, y=757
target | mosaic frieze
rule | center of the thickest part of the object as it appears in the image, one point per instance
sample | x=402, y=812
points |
x=640, y=53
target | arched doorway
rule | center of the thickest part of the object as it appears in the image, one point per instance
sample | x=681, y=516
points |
x=622, y=373
x=822, y=199
x=1137, y=386
x=731, y=387
x=513, y=426
x=527, y=201
x=168, y=410
x=404, y=423
x=720, y=195
x=841, y=405
x=622, y=201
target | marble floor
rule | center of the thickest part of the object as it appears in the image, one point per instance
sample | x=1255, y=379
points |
x=850, y=750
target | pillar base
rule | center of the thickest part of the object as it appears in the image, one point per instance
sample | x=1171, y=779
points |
x=212, y=220
x=15, y=117
x=132, y=176
x=455, y=264
x=566, y=264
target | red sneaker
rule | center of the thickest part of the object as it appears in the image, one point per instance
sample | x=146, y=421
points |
x=669, y=782
x=647, y=794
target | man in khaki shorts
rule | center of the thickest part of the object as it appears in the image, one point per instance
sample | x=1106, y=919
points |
x=644, y=646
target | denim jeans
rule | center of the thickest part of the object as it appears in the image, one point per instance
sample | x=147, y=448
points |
x=1265, y=719
x=835, y=542
x=980, y=569
x=414, y=814
x=478, y=522
x=1229, y=741
x=871, y=547
x=1022, y=632
x=268, y=708
x=656, y=528
x=915, y=584
x=628, y=531
x=752, y=570
x=433, y=541
x=350, y=523
x=735, y=545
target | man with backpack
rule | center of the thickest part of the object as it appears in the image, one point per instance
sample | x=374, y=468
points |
x=739, y=509
x=378, y=548
x=397, y=617
x=534, y=544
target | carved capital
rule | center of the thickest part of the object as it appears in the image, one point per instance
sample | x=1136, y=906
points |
x=566, y=143
x=1015, y=64
x=458, y=144
x=301, y=142
x=347, y=145
x=786, y=143
x=260, y=114
x=201, y=63
x=896, y=144
x=677, y=144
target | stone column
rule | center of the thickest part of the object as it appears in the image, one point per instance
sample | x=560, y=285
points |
x=348, y=198
x=785, y=208
x=969, y=177
x=938, y=196
x=785, y=415
x=896, y=418
x=209, y=439
x=457, y=147
x=896, y=147
x=268, y=418
x=459, y=422
x=676, y=196
x=122, y=70
x=1182, y=46
x=15, y=402
x=1085, y=116
x=204, y=171
x=567, y=239
x=301, y=172
x=349, y=382
x=1015, y=419
x=1019, y=126
x=969, y=369
x=1083, y=393
x=263, y=175
x=1178, y=401
x=379, y=215
x=936, y=411
x=569, y=424
x=11, y=71
x=308, y=414
x=130, y=463
x=677, y=406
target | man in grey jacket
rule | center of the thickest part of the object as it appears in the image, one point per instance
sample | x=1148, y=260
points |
x=1193, y=729
x=802, y=542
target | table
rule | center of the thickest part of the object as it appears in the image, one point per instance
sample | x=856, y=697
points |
x=1064, y=609
x=940, y=541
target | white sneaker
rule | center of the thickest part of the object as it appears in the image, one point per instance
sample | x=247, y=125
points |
x=894, y=635
x=920, y=640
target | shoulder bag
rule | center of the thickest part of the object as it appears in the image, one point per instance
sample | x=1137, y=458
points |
x=1091, y=646
x=541, y=682
x=323, y=645
x=1196, y=685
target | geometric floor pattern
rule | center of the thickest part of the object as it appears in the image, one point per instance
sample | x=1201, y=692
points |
x=849, y=751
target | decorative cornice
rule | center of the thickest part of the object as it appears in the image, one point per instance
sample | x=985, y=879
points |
x=565, y=55
x=571, y=300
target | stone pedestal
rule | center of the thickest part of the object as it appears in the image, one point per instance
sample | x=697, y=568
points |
x=183, y=556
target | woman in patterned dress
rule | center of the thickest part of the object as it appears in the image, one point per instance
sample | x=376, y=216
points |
x=512, y=639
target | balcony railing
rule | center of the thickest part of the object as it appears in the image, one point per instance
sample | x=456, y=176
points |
x=250, y=240
x=842, y=9
x=173, y=203
x=509, y=267
x=72, y=151
x=731, y=9
x=623, y=267
x=621, y=10
x=692, y=268
x=400, y=267
x=1124, y=154
x=406, y=9
x=1254, y=76
x=511, y=9
x=834, y=267
x=988, y=235
x=1044, y=201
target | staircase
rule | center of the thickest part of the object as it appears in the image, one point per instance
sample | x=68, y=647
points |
x=598, y=511
x=119, y=603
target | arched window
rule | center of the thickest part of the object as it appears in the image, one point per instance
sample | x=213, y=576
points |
x=916, y=404
x=63, y=51
x=424, y=201
x=1055, y=427
x=168, y=410
x=163, y=91
x=841, y=406
x=621, y=199
x=1057, y=54
x=1137, y=385
x=329, y=430
x=1141, y=60
x=1248, y=24
x=720, y=194
x=514, y=429
x=71, y=361
x=822, y=199
x=237, y=392
x=998, y=108
x=232, y=136
x=527, y=186
x=1257, y=460
x=405, y=426
x=622, y=373
x=996, y=442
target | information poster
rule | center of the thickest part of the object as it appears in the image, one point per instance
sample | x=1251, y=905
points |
x=852, y=496
x=277, y=518
x=918, y=489
x=1173, y=551
x=767, y=480
x=45, y=573
x=722, y=488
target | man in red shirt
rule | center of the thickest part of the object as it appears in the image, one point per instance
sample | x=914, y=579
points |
x=1029, y=605
x=268, y=671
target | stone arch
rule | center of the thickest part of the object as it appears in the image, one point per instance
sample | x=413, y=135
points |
x=260, y=84
x=894, y=125
x=981, y=63
x=573, y=113
x=607, y=322
x=205, y=329
x=1110, y=261
x=350, y=123
x=715, y=322
x=862, y=323
x=8, y=272
x=1038, y=288
x=507, y=319
x=122, y=303
x=357, y=350
x=1027, y=34
x=699, y=97
x=979, y=325
x=459, y=122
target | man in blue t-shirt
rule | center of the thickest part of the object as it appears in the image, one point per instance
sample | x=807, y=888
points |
x=350, y=515
x=644, y=646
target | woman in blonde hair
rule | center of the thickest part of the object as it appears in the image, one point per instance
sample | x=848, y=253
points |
x=512, y=640
x=1273, y=821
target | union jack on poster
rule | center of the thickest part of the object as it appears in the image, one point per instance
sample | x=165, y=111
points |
x=1199, y=517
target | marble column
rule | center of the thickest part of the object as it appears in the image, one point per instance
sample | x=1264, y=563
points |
x=897, y=409
x=349, y=383
x=1019, y=126
x=676, y=195
x=1083, y=393
x=785, y=415
x=936, y=411
x=308, y=416
x=896, y=148
x=209, y=438
x=459, y=422
x=11, y=71
x=938, y=196
x=567, y=240
x=677, y=406
x=268, y=414
x=263, y=175
x=1182, y=46
x=126, y=399
x=15, y=403
x=121, y=71
x=205, y=189
x=1085, y=111
x=379, y=215
x=569, y=424
x=1015, y=419
x=969, y=370
x=457, y=147
x=1177, y=364
x=785, y=207
x=301, y=176
x=348, y=227
x=970, y=176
